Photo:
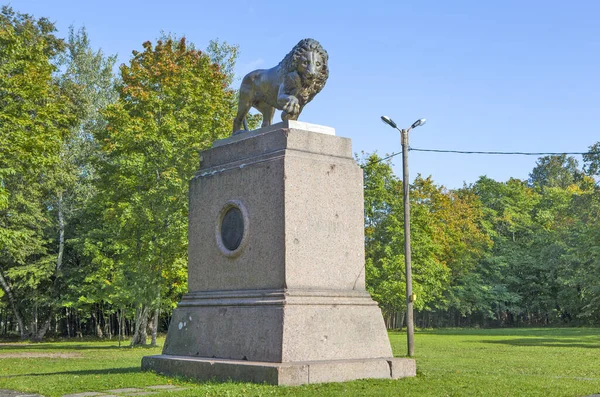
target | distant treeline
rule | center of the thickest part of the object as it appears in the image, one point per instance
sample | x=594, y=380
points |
x=516, y=253
x=94, y=171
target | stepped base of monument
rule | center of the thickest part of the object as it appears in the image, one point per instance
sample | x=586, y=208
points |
x=289, y=374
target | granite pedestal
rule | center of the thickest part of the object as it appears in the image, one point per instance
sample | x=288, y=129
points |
x=276, y=266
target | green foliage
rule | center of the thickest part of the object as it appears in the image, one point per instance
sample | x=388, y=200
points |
x=541, y=267
x=224, y=55
x=447, y=236
x=496, y=253
x=592, y=160
x=31, y=117
x=36, y=115
x=173, y=102
x=89, y=75
x=555, y=171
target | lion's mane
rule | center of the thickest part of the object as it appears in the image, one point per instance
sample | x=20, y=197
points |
x=290, y=62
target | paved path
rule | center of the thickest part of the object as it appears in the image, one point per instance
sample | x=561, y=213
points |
x=13, y=393
x=127, y=391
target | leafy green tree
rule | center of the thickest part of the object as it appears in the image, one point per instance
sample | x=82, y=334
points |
x=592, y=160
x=581, y=298
x=446, y=232
x=173, y=102
x=555, y=171
x=35, y=117
x=569, y=251
x=492, y=289
x=556, y=216
x=384, y=275
x=534, y=272
x=89, y=75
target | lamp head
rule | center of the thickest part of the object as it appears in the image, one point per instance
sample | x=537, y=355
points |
x=389, y=121
x=418, y=123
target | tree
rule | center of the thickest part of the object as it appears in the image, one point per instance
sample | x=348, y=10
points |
x=173, y=102
x=592, y=160
x=225, y=55
x=446, y=232
x=555, y=171
x=384, y=276
x=35, y=117
x=540, y=264
x=493, y=288
x=88, y=75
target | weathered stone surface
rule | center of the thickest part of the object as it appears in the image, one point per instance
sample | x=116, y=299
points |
x=402, y=367
x=303, y=192
x=289, y=124
x=278, y=326
x=290, y=374
x=287, y=303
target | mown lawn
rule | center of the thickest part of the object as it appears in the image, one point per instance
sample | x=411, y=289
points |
x=499, y=362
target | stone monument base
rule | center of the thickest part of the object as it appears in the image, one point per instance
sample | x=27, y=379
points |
x=289, y=374
x=280, y=337
x=276, y=266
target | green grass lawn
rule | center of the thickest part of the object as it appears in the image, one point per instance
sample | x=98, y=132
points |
x=499, y=362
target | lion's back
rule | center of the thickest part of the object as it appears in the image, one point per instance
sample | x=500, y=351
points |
x=265, y=85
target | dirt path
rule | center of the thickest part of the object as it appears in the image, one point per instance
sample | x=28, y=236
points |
x=39, y=355
x=12, y=393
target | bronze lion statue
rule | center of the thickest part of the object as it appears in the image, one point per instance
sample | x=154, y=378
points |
x=289, y=86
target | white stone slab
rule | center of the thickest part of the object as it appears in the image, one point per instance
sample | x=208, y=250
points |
x=289, y=124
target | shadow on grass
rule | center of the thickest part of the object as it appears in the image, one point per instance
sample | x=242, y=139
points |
x=544, y=342
x=107, y=371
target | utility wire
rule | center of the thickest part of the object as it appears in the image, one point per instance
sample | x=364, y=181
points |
x=388, y=157
x=500, y=153
x=490, y=153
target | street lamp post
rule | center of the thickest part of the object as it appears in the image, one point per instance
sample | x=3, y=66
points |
x=410, y=297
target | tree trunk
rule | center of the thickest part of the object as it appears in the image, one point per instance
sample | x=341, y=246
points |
x=78, y=325
x=41, y=331
x=108, y=325
x=107, y=321
x=140, y=333
x=399, y=320
x=99, y=333
x=61, y=234
x=120, y=323
x=154, y=327
x=13, y=303
x=68, y=322
x=402, y=317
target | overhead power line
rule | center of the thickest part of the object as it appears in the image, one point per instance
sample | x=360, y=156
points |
x=501, y=153
x=491, y=153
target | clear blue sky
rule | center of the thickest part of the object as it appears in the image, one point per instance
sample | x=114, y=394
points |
x=488, y=75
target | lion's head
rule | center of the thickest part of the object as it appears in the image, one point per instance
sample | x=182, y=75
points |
x=310, y=60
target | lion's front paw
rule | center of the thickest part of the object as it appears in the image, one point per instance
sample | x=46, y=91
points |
x=291, y=105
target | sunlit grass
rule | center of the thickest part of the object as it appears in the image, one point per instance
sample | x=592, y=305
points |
x=499, y=362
